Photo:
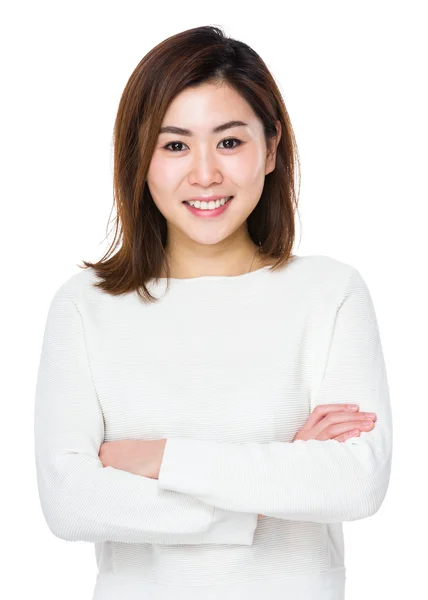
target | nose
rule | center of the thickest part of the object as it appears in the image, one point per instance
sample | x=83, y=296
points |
x=205, y=168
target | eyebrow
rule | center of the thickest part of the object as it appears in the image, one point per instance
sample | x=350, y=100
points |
x=187, y=132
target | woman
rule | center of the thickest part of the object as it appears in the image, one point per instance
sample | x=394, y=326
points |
x=192, y=406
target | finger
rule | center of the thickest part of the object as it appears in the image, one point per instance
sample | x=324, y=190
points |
x=347, y=435
x=337, y=429
x=340, y=417
x=322, y=410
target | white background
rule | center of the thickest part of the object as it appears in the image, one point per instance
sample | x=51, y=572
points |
x=353, y=76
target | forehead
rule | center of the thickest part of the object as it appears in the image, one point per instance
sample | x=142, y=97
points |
x=207, y=106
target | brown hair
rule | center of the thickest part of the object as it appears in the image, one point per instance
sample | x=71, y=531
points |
x=187, y=59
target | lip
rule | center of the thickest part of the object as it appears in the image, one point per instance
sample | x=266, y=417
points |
x=204, y=214
x=208, y=198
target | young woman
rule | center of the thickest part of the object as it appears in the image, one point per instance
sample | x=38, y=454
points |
x=192, y=414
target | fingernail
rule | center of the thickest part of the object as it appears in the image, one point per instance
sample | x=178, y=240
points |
x=352, y=406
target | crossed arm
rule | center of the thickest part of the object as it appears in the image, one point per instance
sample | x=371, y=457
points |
x=192, y=491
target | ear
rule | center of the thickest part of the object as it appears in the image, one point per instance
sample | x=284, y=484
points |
x=271, y=151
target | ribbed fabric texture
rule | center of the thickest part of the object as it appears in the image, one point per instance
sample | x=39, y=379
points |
x=228, y=369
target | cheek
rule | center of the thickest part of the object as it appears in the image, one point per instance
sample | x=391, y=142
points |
x=162, y=182
x=163, y=175
x=249, y=170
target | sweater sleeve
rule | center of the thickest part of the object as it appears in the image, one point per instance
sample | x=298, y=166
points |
x=82, y=500
x=314, y=480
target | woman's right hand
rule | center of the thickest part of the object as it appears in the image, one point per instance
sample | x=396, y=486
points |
x=334, y=422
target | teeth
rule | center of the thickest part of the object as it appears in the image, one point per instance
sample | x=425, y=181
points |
x=203, y=205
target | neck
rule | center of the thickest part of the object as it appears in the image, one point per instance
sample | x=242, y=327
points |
x=247, y=260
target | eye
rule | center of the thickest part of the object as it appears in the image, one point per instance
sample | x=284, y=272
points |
x=177, y=143
x=232, y=140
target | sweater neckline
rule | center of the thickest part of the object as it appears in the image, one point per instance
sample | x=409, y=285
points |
x=213, y=278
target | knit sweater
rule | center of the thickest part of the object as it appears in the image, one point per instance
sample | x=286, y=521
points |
x=227, y=369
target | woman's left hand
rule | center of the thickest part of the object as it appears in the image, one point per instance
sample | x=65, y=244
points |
x=140, y=457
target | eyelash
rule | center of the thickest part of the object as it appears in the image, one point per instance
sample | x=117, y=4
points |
x=226, y=140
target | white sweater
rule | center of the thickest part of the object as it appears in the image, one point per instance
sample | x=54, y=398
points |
x=228, y=369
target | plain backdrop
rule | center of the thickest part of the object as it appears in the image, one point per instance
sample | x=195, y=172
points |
x=353, y=77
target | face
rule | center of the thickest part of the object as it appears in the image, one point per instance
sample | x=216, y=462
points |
x=202, y=162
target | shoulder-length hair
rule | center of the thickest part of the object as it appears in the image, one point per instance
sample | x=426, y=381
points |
x=188, y=59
